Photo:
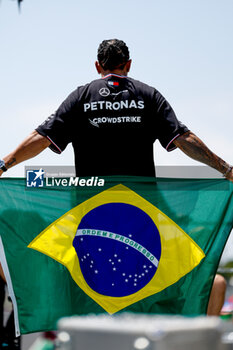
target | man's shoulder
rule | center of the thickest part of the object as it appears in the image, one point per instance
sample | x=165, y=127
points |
x=92, y=83
x=138, y=84
x=83, y=90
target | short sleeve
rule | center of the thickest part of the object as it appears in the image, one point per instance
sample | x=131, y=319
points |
x=58, y=127
x=167, y=125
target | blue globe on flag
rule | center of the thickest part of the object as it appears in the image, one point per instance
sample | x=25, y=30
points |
x=118, y=246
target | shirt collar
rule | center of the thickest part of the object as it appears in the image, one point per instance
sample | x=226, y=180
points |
x=114, y=75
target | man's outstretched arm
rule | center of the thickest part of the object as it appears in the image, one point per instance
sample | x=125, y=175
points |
x=29, y=148
x=191, y=145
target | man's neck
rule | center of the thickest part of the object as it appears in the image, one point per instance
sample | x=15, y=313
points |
x=115, y=71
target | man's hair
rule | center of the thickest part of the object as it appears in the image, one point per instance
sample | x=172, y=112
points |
x=112, y=54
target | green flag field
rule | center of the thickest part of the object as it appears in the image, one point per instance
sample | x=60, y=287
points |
x=131, y=244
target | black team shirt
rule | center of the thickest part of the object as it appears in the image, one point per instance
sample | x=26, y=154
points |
x=112, y=123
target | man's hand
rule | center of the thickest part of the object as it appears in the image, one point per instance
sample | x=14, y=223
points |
x=29, y=148
x=191, y=145
x=230, y=175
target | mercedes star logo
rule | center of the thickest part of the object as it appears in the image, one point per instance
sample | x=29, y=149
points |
x=104, y=92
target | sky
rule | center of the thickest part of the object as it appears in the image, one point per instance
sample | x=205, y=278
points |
x=183, y=48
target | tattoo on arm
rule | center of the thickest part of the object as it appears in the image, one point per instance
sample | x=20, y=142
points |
x=11, y=162
x=191, y=145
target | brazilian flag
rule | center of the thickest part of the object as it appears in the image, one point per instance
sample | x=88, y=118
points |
x=134, y=244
